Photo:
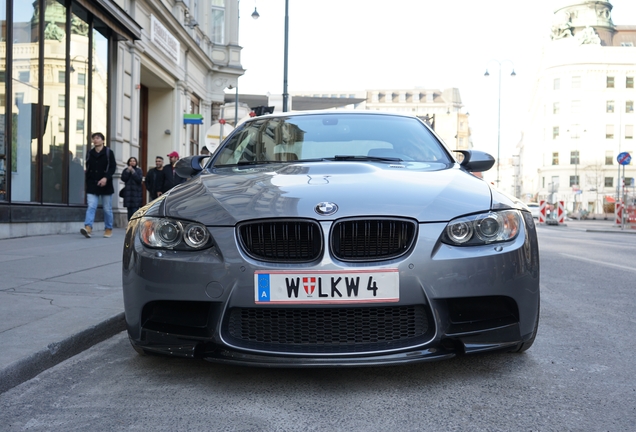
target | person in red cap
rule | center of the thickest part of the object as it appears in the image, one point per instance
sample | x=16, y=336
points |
x=171, y=177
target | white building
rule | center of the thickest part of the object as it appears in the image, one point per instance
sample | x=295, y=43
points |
x=581, y=115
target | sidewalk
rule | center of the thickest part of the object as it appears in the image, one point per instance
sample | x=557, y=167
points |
x=59, y=295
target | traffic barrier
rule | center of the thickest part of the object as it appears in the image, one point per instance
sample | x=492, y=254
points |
x=542, y=210
x=618, y=213
x=561, y=213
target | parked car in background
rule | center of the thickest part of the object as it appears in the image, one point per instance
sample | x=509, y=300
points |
x=534, y=209
x=331, y=239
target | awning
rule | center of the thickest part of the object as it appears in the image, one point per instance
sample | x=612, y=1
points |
x=114, y=17
x=609, y=199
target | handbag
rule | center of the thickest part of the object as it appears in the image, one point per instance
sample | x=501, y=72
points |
x=122, y=192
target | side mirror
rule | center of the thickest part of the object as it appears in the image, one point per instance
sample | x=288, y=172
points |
x=189, y=166
x=476, y=161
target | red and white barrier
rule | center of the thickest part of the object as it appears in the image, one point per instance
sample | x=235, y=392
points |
x=618, y=213
x=561, y=213
x=542, y=211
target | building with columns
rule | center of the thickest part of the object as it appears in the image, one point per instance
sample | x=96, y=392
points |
x=581, y=115
x=128, y=69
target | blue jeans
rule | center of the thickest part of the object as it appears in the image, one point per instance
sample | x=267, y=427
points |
x=107, y=204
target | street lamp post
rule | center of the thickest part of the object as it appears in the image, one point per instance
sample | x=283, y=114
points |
x=285, y=94
x=499, y=63
x=255, y=15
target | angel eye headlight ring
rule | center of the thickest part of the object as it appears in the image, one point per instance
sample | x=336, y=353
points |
x=168, y=232
x=196, y=235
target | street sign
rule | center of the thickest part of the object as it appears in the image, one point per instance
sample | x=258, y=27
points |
x=624, y=158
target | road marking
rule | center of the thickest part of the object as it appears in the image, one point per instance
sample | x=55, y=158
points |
x=600, y=262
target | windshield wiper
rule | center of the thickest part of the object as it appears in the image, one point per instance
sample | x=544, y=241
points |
x=366, y=158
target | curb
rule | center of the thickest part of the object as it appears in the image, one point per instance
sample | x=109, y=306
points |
x=55, y=353
x=610, y=231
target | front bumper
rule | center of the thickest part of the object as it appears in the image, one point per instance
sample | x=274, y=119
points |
x=475, y=299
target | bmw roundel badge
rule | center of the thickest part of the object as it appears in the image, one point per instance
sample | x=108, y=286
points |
x=326, y=208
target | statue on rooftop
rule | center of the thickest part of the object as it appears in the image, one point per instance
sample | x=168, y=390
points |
x=588, y=36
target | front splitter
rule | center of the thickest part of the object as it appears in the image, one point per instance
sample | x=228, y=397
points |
x=273, y=361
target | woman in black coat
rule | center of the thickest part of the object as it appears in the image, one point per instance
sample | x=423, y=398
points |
x=132, y=176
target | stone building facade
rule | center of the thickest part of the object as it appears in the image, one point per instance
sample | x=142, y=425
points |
x=129, y=69
x=582, y=112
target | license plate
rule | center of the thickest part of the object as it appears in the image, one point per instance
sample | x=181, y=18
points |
x=329, y=287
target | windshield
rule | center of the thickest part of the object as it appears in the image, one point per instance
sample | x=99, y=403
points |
x=331, y=137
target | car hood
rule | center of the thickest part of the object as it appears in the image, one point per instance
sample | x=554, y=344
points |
x=426, y=192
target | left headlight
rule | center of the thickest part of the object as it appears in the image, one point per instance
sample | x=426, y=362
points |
x=484, y=228
x=166, y=233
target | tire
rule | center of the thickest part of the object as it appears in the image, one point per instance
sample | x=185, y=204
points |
x=525, y=346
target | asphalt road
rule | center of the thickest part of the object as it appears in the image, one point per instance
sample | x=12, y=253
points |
x=579, y=375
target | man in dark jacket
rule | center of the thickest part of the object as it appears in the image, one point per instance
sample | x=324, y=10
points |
x=155, y=179
x=100, y=167
x=171, y=177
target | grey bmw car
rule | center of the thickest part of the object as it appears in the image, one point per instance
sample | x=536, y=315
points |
x=332, y=239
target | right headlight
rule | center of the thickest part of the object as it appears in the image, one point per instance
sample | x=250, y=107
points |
x=167, y=233
x=484, y=228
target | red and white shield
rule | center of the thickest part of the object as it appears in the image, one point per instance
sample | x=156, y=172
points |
x=309, y=284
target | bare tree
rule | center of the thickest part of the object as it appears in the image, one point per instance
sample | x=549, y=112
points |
x=595, y=181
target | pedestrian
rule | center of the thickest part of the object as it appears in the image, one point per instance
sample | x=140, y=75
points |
x=132, y=192
x=155, y=179
x=100, y=167
x=171, y=177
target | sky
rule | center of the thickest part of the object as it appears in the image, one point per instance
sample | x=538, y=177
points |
x=355, y=45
